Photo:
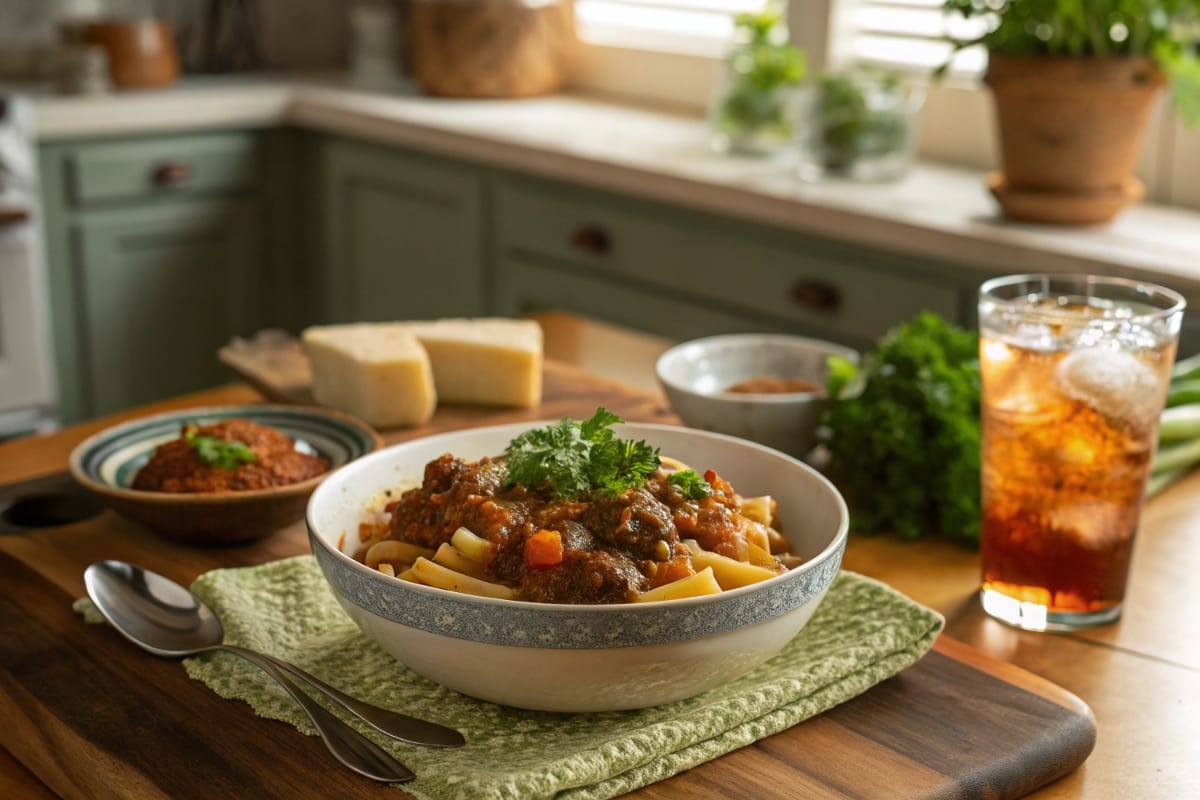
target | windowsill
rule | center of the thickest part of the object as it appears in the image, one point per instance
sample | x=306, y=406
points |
x=938, y=212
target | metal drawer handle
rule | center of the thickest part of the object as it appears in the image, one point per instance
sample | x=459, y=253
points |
x=816, y=295
x=591, y=239
x=171, y=173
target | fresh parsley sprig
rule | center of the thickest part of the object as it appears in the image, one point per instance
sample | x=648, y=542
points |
x=690, y=483
x=580, y=458
x=223, y=453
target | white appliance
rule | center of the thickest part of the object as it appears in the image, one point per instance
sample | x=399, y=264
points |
x=27, y=390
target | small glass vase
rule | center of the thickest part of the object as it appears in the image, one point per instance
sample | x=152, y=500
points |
x=858, y=125
x=753, y=111
x=752, y=121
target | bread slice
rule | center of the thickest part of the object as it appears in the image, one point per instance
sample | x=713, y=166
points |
x=489, y=361
x=379, y=373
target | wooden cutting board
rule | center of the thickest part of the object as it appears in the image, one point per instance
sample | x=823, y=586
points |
x=92, y=716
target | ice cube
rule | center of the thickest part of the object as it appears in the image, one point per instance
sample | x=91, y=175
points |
x=1115, y=383
x=1094, y=524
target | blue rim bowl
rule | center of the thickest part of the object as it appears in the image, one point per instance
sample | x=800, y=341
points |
x=581, y=657
x=106, y=463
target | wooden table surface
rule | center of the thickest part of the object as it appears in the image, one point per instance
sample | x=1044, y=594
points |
x=1141, y=676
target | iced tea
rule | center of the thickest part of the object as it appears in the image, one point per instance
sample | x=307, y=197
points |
x=1075, y=372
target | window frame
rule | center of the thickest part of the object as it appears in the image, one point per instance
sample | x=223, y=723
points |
x=957, y=125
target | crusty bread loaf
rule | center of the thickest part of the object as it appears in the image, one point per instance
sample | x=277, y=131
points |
x=379, y=373
x=484, y=361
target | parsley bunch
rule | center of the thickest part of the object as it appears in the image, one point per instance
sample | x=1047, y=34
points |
x=223, y=453
x=580, y=458
x=903, y=432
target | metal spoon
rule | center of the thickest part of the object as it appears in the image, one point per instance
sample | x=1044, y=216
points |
x=151, y=608
x=166, y=619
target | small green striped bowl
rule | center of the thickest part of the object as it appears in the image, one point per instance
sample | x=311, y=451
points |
x=107, y=462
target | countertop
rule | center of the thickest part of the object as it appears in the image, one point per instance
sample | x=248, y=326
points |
x=1140, y=676
x=937, y=211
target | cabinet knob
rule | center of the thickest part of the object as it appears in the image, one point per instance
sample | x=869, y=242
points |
x=591, y=239
x=171, y=173
x=816, y=295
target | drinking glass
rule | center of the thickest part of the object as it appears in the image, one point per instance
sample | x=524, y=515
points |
x=1075, y=371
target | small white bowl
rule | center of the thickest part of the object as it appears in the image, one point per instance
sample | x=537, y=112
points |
x=558, y=657
x=696, y=375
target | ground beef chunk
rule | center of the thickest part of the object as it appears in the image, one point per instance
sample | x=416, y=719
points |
x=483, y=480
x=633, y=522
x=599, y=576
x=576, y=537
x=453, y=494
x=441, y=473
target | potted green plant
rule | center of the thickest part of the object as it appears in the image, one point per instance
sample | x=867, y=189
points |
x=755, y=108
x=1074, y=84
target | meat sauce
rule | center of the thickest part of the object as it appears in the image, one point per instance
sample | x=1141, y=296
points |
x=769, y=384
x=177, y=467
x=614, y=548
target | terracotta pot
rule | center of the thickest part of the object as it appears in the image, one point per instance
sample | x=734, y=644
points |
x=490, y=48
x=141, y=52
x=1072, y=125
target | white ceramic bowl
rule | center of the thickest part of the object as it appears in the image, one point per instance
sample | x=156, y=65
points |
x=695, y=375
x=558, y=657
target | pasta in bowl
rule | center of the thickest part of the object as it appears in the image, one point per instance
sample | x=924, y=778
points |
x=578, y=600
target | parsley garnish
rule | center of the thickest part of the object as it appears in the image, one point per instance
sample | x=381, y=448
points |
x=223, y=453
x=690, y=484
x=580, y=458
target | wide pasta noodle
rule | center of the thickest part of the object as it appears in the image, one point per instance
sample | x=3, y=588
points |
x=433, y=574
x=390, y=551
x=702, y=583
x=451, y=557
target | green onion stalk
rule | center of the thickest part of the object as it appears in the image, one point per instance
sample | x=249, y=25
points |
x=1179, y=429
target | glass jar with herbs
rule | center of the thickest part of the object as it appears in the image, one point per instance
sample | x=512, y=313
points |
x=754, y=108
x=859, y=123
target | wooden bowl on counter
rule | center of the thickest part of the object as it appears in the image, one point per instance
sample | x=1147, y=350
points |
x=141, y=52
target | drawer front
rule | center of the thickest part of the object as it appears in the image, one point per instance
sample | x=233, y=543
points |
x=144, y=169
x=790, y=280
x=529, y=288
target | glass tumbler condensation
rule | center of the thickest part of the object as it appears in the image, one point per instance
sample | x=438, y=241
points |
x=1075, y=371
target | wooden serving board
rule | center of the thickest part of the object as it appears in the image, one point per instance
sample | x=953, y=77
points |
x=92, y=716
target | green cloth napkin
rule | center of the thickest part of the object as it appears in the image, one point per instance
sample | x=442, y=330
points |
x=863, y=633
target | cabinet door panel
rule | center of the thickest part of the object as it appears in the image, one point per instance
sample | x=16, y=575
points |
x=403, y=238
x=160, y=291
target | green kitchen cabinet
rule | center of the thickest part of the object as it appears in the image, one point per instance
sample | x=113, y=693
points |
x=682, y=274
x=403, y=234
x=154, y=261
x=160, y=291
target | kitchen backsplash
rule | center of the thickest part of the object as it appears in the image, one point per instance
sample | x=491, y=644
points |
x=248, y=34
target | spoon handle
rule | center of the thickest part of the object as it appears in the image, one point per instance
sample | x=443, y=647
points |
x=346, y=744
x=398, y=726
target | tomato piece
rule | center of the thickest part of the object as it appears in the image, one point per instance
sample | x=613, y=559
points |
x=673, y=570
